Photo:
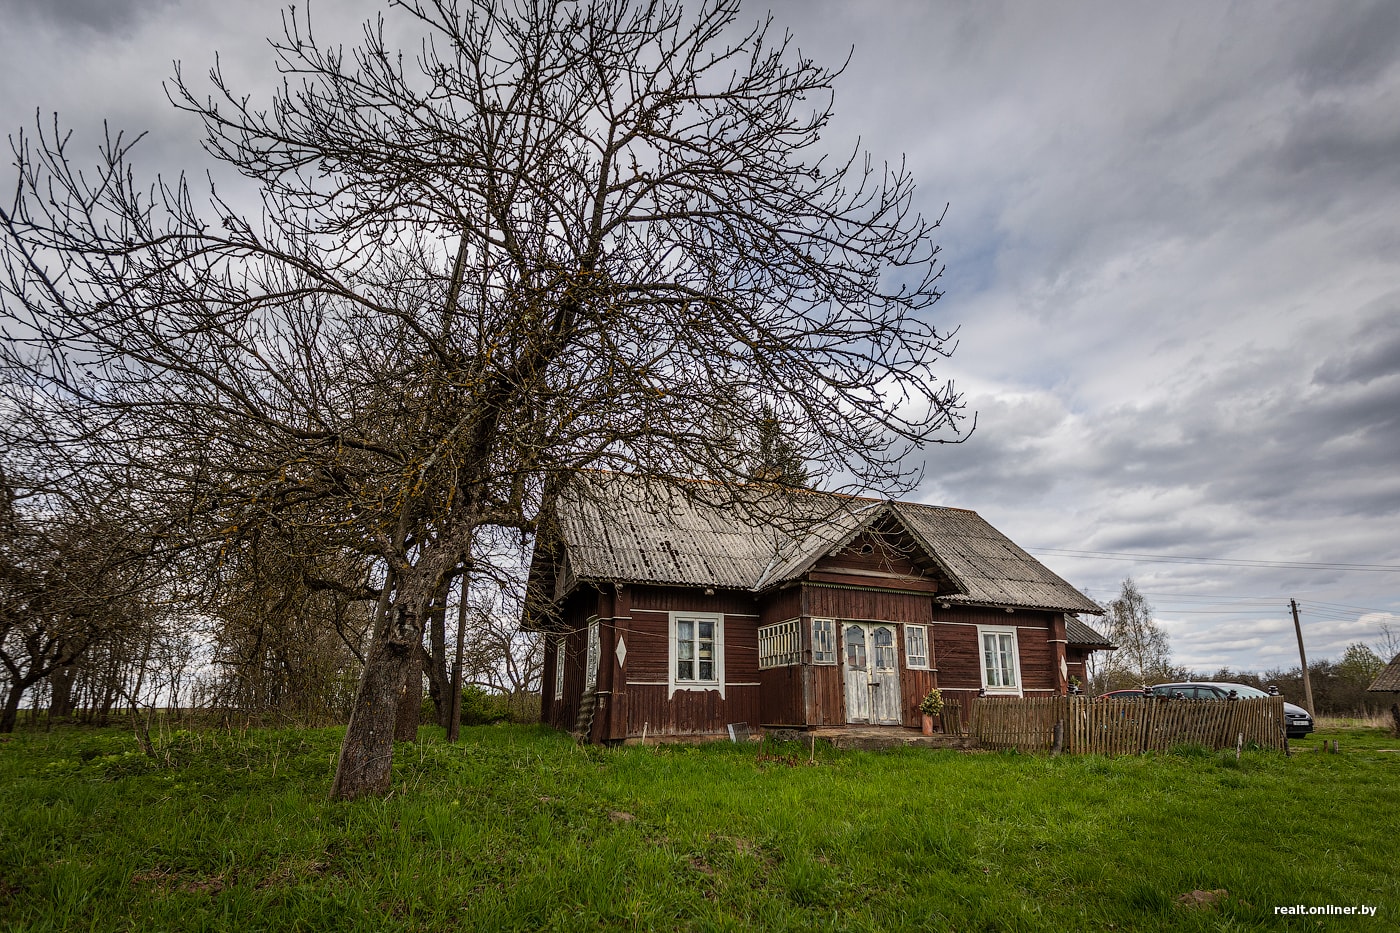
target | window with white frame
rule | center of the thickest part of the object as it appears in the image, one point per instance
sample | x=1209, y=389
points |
x=916, y=647
x=778, y=645
x=697, y=651
x=823, y=641
x=559, y=668
x=1001, y=666
x=590, y=667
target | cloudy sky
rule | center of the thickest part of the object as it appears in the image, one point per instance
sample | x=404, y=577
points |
x=1172, y=247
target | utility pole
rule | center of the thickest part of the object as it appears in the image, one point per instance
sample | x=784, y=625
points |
x=1302, y=656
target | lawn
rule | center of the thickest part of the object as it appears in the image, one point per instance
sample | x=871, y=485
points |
x=519, y=829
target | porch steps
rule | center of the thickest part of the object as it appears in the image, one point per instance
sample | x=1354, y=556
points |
x=586, y=707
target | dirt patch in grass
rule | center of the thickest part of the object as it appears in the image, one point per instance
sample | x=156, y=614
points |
x=169, y=881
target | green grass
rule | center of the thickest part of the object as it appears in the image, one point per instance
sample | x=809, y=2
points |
x=519, y=829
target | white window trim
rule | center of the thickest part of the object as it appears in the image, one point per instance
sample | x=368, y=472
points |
x=835, y=642
x=560, y=653
x=675, y=684
x=928, y=655
x=983, y=630
x=592, y=656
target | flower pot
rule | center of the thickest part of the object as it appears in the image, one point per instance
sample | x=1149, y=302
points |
x=928, y=724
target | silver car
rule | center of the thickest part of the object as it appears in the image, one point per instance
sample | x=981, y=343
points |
x=1299, y=721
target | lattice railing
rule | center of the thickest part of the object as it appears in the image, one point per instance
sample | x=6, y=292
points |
x=779, y=644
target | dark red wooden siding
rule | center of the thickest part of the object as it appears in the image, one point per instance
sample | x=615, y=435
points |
x=830, y=602
x=562, y=711
x=826, y=702
x=640, y=693
x=633, y=696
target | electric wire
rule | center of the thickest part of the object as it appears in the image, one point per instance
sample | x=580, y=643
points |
x=1219, y=561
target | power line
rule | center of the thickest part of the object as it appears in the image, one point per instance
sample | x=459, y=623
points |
x=1218, y=561
x=1333, y=607
x=1237, y=603
x=1267, y=602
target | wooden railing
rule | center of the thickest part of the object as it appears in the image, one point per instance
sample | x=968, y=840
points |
x=950, y=721
x=1125, y=727
x=779, y=644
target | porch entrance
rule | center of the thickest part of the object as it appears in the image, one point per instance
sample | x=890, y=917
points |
x=871, y=673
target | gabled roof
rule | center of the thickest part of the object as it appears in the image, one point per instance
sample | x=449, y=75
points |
x=1389, y=679
x=615, y=527
x=992, y=569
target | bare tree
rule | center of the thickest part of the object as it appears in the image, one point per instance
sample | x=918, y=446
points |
x=557, y=235
x=1387, y=644
x=76, y=581
x=290, y=628
x=1143, y=654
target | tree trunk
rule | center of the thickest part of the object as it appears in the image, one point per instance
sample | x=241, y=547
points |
x=61, y=692
x=438, y=678
x=410, y=708
x=454, y=719
x=10, y=715
x=367, y=753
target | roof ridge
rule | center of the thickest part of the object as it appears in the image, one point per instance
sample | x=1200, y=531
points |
x=700, y=480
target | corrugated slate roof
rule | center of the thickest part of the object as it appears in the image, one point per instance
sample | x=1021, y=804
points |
x=618, y=528
x=1389, y=679
x=833, y=530
x=992, y=569
x=1077, y=633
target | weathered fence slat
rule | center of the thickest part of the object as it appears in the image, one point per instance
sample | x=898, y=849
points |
x=1125, y=727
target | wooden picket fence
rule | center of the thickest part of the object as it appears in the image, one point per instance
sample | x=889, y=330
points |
x=1125, y=727
x=950, y=720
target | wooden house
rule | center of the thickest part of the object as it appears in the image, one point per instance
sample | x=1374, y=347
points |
x=673, y=613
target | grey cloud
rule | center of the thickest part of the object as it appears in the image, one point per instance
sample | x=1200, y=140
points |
x=97, y=17
x=1372, y=352
x=1351, y=49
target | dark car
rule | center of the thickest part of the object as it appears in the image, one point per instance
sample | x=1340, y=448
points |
x=1299, y=721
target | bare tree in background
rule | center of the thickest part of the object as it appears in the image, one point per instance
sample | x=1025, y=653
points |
x=1144, y=654
x=556, y=235
x=79, y=586
x=289, y=628
x=1387, y=645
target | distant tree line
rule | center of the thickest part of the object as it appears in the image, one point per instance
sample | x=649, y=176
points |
x=1339, y=687
x=101, y=620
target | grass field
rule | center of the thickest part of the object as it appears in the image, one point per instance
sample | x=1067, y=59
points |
x=519, y=829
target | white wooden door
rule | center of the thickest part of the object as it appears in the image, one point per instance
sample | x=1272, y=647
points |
x=884, y=676
x=872, y=673
x=856, y=662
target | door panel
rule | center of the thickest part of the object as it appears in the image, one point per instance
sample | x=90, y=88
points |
x=884, y=676
x=871, y=669
x=856, y=662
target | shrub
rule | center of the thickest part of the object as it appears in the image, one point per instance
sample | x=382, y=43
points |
x=483, y=708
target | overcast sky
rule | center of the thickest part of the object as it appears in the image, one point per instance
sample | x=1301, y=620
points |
x=1172, y=246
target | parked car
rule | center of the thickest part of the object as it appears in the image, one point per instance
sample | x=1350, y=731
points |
x=1133, y=694
x=1299, y=721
